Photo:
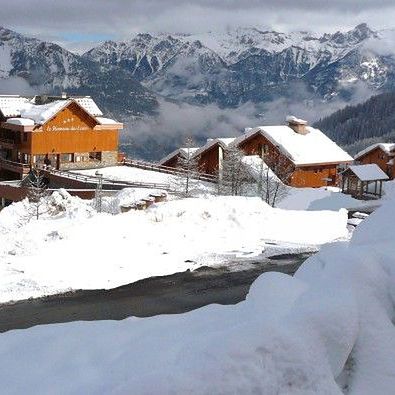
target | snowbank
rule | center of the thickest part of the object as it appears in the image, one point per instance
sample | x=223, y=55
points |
x=80, y=249
x=326, y=330
x=325, y=198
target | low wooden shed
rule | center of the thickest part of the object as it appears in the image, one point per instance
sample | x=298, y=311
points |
x=364, y=181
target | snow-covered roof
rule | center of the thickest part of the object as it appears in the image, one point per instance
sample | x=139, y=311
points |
x=106, y=121
x=43, y=112
x=386, y=147
x=10, y=105
x=314, y=147
x=368, y=172
x=21, y=121
x=183, y=151
x=293, y=119
x=222, y=141
x=89, y=105
x=18, y=106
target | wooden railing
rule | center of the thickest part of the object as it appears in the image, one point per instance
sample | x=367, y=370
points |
x=169, y=170
x=87, y=179
x=14, y=166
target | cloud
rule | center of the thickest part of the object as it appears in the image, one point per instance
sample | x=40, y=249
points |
x=385, y=46
x=16, y=86
x=153, y=138
x=120, y=18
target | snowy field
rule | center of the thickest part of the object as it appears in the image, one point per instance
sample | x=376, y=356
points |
x=327, y=330
x=133, y=174
x=77, y=248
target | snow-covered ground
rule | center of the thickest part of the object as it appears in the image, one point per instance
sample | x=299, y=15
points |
x=324, y=198
x=133, y=174
x=328, y=329
x=77, y=248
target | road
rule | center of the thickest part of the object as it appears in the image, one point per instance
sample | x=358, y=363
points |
x=172, y=294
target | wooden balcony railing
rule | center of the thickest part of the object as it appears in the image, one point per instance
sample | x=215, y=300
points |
x=16, y=167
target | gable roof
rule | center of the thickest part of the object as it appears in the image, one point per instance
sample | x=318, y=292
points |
x=18, y=106
x=370, y=172
x=223, y=142
x=179, y=151
x=386, y=147
x=302, y=149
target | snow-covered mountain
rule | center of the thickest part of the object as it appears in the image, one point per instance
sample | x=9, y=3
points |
x=246, y=64
x=47, y=67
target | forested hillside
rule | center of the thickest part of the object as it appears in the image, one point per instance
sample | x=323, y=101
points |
x=355, y=127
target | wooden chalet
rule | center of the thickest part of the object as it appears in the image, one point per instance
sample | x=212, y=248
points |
x=210, y=156
x=172, y=160
x=382, y=154
x=58, y=131
x=312, y=157
x=364, y=181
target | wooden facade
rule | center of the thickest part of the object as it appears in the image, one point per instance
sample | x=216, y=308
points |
x=172, y=162
x=381, y=158
x=71, y=139
x=209, y=159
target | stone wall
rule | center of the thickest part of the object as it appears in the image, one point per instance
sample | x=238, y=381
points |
x=108, y=158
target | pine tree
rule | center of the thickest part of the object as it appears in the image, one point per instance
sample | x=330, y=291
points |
x=189, y=166
x=274, y=174
x=233, y=175
x=37, y=193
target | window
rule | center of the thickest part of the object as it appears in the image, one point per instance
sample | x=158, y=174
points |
x=95, y=156
x=66, y=158
x=264, y=148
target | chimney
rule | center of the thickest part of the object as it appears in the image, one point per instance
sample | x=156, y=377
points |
x=298, y=125
x=64, y=95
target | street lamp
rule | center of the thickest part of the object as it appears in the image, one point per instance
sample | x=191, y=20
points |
x=98, y=193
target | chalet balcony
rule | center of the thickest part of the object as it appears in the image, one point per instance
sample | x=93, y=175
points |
x=15, y=167
x=9, y=140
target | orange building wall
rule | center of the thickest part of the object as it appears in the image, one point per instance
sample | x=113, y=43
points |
x=314, y=176
x=380, y=158
x=79, y=135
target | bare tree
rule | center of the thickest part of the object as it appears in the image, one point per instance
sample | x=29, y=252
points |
x=274, y=174
x=189, y=166
x=37, y=193
x=233, y=175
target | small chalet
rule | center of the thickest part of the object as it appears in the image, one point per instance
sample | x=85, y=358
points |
x=58, y=131
x=210, y=156
x=382, y=154
x=172, y=160
x=313, y=157
x=363, y=181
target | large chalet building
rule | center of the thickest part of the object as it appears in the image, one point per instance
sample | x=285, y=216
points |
x=381, y=154
x=58, y=131
x=313, y=158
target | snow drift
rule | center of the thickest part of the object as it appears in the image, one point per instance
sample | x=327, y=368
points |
x=327, y=330
x=105, y=251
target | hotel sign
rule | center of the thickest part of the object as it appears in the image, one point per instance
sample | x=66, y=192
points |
x=55, y=128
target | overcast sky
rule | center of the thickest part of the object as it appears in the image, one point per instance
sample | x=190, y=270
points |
x=81, y=23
